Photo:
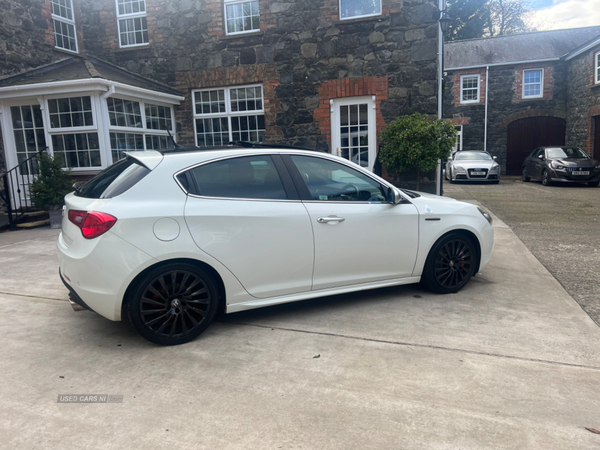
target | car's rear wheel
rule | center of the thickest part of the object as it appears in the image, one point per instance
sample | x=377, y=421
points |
x=524, y=176
x=546, y=178
x=450, y=264
x=173, y=304
x=593, y=183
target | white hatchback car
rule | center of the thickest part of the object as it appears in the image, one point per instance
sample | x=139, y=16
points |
x=169, y=239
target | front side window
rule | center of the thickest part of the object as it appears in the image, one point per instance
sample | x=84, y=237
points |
x=137, y=126
x=133, y=25
x=351, y=9
x=331, y=181
x=247, y=177
x=469, y=89
x=229, y=114
x=597, y=68
x=241, y=16
x=63, y=21
x=532, y=83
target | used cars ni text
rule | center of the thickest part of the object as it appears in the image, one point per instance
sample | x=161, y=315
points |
x=170, y=239
x=561, y=165
x=472, y=165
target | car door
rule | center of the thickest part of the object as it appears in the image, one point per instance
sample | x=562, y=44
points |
x=359, y=235
x=242, y=213
x=528, y=163
x=538, y=164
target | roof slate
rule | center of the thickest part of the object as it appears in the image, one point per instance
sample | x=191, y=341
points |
x=74, y=67
x=516, y=47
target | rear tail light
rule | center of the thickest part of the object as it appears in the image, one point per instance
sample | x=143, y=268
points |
x=92, y=224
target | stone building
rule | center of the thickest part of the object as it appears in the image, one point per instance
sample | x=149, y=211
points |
x=511, y=94
x=93, y=78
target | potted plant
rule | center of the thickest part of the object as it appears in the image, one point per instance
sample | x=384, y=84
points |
x=415, y=143
x=48, y=190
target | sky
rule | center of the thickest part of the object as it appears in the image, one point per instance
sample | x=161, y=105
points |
x=560, y=14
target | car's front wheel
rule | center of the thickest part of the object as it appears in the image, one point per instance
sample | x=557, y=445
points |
x=173, y=304
x=546, y=178
x=450, y=264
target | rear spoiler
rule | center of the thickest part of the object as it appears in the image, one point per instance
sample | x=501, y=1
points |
x=149, y=159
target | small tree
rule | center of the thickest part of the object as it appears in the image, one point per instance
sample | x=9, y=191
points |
x=48, y=190
x=415, y=142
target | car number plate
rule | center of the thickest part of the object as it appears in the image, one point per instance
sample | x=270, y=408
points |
x=477, y=173
x=580, y=172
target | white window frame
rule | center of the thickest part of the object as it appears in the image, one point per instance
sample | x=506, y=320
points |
x=471, y=75
x=67, y=21
x=230, y=2
x=597, y=68
x=541, y=94
x=359, y=17
x=228, y=113
x=144, y=131
x=131, y=16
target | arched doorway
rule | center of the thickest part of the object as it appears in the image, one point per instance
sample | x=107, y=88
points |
x=526, y=134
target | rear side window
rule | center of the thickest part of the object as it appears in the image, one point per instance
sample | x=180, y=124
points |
x=245, y=177
x=114, y=180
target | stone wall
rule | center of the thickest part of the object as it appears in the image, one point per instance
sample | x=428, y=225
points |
x=23, y=28
x=583, y=101
x=302, y=45
x=505, y=104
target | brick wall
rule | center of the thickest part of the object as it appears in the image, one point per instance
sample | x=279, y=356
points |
x=547, y=87
x=456, y=86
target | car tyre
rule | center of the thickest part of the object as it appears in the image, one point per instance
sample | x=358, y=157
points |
x=173, y=304
x=546, y=178
x=450, y=264
x=593, y=183
x=524, y=176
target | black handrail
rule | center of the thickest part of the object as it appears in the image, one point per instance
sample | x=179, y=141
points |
x=17, y=180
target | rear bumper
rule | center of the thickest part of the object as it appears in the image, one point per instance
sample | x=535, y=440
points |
x=98, y=276
x=75, y=300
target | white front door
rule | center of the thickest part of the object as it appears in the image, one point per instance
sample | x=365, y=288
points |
x=353, y=131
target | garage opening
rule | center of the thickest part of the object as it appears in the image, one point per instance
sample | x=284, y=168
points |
x=526, y=134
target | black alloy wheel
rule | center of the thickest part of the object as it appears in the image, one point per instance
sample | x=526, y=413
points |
x=174, y=304
x=524, y=176
x=450, y=264
x=546, y=178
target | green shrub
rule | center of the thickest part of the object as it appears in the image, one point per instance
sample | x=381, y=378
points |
x=52, y=184
x=415, y=142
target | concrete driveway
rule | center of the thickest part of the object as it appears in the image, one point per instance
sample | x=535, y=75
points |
x=509, y=362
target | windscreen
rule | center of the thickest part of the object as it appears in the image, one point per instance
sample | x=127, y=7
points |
x=472, y=156
x=566, y=153
x=113, y=180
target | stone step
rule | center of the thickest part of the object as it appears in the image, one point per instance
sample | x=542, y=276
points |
x=28, y=225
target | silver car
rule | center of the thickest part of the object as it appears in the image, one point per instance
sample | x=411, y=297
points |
x=472, y=165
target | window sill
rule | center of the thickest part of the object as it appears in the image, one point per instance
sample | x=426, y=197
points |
x=352, y=21
x=470, y=104
x=242, y=35
x=131, y=48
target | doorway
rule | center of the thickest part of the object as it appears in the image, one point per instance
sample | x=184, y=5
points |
x=353, y=130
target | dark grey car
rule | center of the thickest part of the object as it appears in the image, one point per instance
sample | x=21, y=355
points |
x=561, y=165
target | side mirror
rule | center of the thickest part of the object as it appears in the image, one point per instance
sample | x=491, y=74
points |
x=396, y=197
x=494, y=158
x=541, y=157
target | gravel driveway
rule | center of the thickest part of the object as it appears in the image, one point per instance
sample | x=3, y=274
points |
x=560, y=225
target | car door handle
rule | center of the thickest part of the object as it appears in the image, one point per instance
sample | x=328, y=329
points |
x=330, y=219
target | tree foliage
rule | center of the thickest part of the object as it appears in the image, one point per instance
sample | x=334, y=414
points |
x=473, y=19
x=48, y=190
x=415, y=142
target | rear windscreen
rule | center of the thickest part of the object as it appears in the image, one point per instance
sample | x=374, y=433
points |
x=113, y=180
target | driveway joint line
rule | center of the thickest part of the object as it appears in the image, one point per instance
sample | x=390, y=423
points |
x=33, y=296
x=408, y=344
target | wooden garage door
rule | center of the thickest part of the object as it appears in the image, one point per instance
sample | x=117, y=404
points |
x=526, y=134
